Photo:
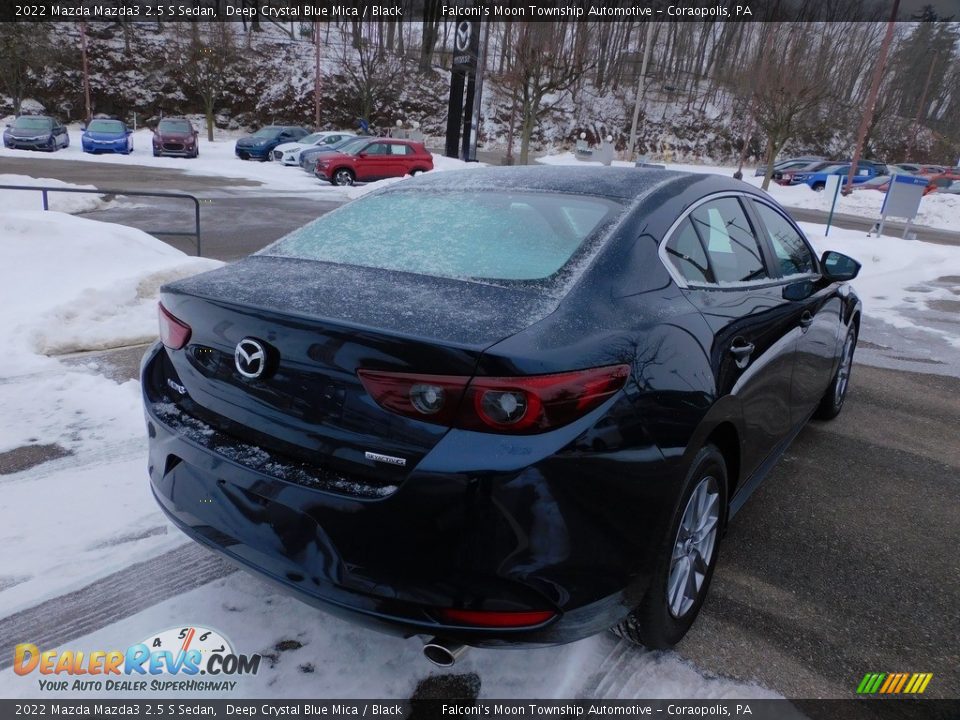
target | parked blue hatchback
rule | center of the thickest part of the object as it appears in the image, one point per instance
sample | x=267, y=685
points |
x=259, y=145
x=107, y=136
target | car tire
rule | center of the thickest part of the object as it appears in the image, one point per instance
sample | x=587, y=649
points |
x=664, y=617
x=341, y=177
x=156, y=153
x=817, y=187
x=414, y=173
x=832, y=401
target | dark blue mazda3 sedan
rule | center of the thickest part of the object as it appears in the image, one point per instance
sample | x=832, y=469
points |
x=497, y=406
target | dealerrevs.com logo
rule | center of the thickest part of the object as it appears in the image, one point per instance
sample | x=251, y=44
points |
x=168, y=661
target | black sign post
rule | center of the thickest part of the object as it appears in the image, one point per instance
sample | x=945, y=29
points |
x=466, y=44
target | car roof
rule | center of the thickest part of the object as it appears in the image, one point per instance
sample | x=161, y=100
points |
x=615, y=182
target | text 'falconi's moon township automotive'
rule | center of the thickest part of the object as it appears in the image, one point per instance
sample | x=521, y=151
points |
x=504, y=406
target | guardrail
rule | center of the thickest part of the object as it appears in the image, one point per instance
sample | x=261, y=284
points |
x=46, y=190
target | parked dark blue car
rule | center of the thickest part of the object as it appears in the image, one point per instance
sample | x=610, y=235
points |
x=259, y=145
x=107, y=136
x=498, y=406
x=36, y=132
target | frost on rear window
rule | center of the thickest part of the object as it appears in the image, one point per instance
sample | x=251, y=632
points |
x=487, y=235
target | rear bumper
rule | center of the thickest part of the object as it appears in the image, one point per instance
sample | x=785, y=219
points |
x=574, y=533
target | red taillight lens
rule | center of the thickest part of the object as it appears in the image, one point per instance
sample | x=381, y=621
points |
x=494, y=618
x=521, y=405
x=174, y=333
x=431, y=398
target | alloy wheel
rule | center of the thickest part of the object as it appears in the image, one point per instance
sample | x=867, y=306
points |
x=343, y=177
x=843, y=372
x=693, y=549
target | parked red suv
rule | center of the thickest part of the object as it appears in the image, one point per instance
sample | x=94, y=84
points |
x=375, y=159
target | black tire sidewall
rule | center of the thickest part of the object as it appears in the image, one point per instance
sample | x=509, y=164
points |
x=659, y=628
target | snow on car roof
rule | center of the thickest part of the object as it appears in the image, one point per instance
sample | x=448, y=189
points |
x=614, y=182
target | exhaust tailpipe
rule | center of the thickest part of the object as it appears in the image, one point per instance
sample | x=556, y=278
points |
x=443, y=653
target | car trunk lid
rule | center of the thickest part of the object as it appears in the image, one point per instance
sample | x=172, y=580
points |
x=319, y=323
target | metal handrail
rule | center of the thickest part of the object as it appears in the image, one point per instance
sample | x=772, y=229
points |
x=45, y=190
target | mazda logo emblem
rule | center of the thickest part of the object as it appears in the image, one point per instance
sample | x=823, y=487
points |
x=464, y=30
x=250, y=358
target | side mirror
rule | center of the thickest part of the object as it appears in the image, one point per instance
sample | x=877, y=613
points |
x=83, y=128
x=129, y=131
x=800, y=290
x=838, y=267
x=362, y=155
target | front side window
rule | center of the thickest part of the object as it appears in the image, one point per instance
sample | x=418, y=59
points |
x=732, y=249
x=792, y=252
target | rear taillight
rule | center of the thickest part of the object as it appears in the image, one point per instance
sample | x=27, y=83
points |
x=432, y=398
x=521, y=405
x=494, y=618
x=174, y=333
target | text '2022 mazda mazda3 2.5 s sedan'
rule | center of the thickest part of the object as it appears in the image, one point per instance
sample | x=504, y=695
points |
x=498, y=406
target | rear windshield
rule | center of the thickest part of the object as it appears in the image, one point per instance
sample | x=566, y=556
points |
x=175, y=126
x=490, y=235
x=33, y=123
x=110, y=126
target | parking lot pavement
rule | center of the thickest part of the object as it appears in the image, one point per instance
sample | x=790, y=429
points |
x=845, y=560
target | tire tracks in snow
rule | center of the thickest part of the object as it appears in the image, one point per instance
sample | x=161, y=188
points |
x=110, y=599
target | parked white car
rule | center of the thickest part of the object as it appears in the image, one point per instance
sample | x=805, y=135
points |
x=289, y=153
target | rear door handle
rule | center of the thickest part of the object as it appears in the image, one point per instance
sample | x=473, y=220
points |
x=806, y=319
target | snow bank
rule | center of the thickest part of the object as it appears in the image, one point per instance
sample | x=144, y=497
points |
x=68, y=283
x=894, y=280
x=73, y=284
x=31, y=199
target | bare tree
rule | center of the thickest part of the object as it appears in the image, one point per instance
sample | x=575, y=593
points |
x=372, y=74
x=23, y=54
x=206, y=65
x=790, y=91
x=545, y=67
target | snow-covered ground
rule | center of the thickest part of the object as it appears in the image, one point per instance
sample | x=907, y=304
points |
x=67, y=284
x=937, y=210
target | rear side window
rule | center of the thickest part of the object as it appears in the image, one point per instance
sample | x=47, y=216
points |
x=732, y=249
x=792, y=252
x=398, y=149
x=687, y=254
